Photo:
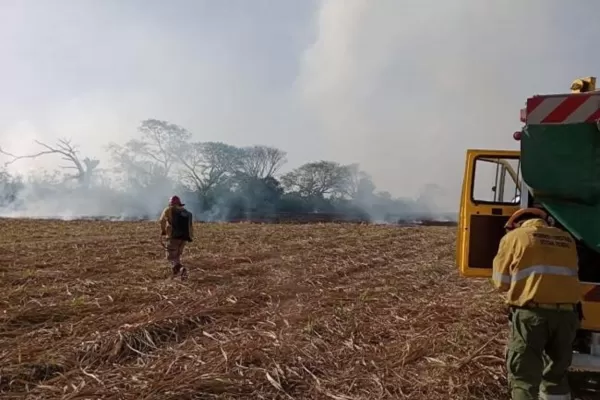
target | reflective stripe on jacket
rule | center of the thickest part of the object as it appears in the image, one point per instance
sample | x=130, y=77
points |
x=536, y=262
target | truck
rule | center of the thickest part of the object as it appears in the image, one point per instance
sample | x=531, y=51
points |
x=556, y=168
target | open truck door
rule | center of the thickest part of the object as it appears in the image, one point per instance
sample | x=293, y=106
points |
x=490, y=195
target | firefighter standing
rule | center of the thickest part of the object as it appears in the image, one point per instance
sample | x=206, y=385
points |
x=537, y=267
x=176, y=224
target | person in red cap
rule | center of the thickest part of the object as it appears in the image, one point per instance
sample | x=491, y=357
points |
x=176, y=224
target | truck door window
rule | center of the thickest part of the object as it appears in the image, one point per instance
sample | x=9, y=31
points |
x=496, y=181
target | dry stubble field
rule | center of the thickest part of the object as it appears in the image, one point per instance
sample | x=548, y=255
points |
x=331, y=311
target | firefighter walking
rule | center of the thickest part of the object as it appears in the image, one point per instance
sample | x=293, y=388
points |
x=176, y=224
x=536, y=266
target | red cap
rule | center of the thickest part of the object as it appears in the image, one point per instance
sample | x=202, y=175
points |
x=175, y=201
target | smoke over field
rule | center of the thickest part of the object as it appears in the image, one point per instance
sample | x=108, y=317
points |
x=396, y=89
x=217, y=181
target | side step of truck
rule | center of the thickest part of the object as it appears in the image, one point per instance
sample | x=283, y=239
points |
x=585, y=362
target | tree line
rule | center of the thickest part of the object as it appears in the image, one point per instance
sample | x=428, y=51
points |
x=218, y=181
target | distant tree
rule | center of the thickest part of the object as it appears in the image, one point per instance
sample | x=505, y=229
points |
x=358, y=186
x=259, y=195
x=294, y=203
x=318, y=179
x=218, y=180
x=85, y=168
x=161, y=141
x=209, y=164
x=136, y=170
x=385, y=195
x=9, y=188
x=261, y=161
x=149, y=160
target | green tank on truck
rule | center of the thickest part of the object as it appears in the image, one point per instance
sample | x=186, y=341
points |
x=556, y=168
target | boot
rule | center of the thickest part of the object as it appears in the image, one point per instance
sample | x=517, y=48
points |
x=176, y=269
x=184, y=273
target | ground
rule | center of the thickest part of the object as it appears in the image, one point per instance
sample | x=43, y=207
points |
x=333, y=311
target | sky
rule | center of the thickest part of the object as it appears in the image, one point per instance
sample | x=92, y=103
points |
x=402, y=87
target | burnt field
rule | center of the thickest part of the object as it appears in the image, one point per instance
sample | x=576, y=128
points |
x=324, y=311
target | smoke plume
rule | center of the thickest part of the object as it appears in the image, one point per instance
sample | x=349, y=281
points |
x=401, y=87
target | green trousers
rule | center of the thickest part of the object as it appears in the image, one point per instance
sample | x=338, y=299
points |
x=540, y=350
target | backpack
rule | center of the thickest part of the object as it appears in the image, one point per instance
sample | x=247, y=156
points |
x=180, y=224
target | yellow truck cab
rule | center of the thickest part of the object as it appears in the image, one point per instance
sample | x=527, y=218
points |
x=557, y=168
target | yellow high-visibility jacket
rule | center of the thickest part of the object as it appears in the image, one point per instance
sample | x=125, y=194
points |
x=166, y=218
x=538, y=263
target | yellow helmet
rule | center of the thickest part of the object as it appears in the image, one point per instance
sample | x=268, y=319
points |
x=511, y=224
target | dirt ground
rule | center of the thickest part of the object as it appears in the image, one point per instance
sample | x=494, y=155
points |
x=335, y=311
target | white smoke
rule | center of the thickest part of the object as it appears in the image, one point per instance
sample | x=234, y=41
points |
x=402, y=87
x=406, y=86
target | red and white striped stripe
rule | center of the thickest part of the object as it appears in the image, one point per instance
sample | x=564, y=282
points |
x=562, y=109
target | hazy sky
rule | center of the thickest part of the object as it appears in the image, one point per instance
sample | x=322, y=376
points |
x=402, y=87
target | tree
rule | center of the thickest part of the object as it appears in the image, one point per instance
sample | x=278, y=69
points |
x=260, y=193
x=85, y=168
x=161, y=141
x=261, y=161
x=137, y=170
x=359, y=185
x=318, y=179
x=9, y=188
x=150, y=159
x=206, y=165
